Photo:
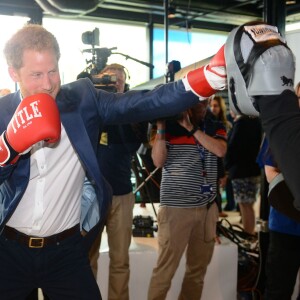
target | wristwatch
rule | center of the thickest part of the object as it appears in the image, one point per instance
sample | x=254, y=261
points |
x=191, y=133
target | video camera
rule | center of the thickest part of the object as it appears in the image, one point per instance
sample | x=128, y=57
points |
x=91, y=37
x=172, y=118
x=98, y=62
x=105, y=82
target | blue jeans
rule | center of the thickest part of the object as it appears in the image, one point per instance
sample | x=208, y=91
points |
x=62, y=271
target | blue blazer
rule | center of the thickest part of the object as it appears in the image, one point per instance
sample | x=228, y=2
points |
x=84, y=110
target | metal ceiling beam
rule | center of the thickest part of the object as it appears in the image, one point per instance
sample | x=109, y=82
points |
x=155, y=19
x=230, y=14
x=22, y=8
x=211, y=15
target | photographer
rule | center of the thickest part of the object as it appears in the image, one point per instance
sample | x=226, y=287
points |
x=188, y=151
x=116, y=146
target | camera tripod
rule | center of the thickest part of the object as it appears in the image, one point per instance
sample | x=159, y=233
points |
x=139, y=171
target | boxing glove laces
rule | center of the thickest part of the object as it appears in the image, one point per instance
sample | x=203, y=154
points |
x=208, y=79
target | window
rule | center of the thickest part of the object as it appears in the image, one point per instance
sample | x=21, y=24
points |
x=130, y=40
x=184, y=46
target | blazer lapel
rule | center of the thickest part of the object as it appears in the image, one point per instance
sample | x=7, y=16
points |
x=13, y=104
x=79, y=138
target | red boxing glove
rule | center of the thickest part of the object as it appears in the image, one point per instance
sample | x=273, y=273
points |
x=205, y=81
x=35, y=119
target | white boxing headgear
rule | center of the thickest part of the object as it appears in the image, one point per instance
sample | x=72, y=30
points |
x=258, y=62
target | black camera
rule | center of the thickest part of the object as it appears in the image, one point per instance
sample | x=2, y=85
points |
x=143, y=222
x=104, y=79
x=143, y=226
x=91, y=37
x=106, y=82
x=174, y=117
x=97, y=63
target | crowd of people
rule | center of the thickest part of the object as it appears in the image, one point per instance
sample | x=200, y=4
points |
x=66, y=167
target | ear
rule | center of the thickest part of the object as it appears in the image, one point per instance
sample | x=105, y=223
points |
x=13, y=73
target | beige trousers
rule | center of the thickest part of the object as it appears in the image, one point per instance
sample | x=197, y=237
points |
x=119, y=233
x=180, y=229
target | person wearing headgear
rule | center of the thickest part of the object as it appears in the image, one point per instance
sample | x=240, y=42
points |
x=282, y=259
x=48, y=143
x=260, y=75
x=117, y=145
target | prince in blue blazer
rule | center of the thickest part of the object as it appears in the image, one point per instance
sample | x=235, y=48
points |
x=55, y=191
x=84, y=110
